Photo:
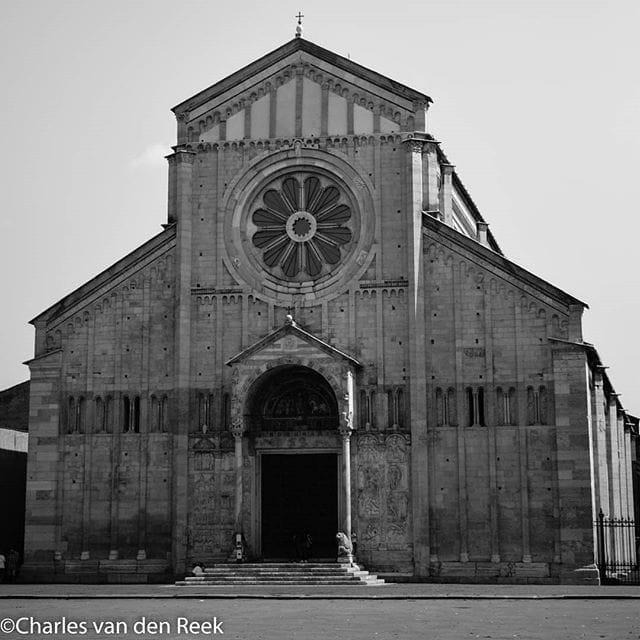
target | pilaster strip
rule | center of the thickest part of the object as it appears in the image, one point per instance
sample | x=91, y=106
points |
x=457, y=283
x=522, y=442
x=144, y=414
x=272, y=112
x=88, y=436
x=247, y=119
x=299, y=90
x=494, y=514
x=324, y=111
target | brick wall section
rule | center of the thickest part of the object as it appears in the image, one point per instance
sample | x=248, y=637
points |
x=14, y=407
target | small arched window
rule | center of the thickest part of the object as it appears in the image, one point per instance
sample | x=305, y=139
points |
x=475, y=406
x=108, y=414
x=542, y=405
x=537, y=405
x=81, y=411
x=98, y=422
x=531, y=406
x=164, y=414
x=500, y=413
x=440, y=421
x=136, y=414
x=512, y=407
x=126, y=414
x=471, y=414
x=154, y=415
x=390, y=408
x=372, y=408
x=452, y=405
x=400, y=408
x=71, y=415
x=365, y=408
x=226, y=411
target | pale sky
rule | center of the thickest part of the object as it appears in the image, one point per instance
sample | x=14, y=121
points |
x=536, y=102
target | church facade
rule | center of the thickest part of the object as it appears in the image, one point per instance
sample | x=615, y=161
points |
x=325, y=337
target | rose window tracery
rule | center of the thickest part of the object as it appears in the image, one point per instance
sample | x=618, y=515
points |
x=302, y=226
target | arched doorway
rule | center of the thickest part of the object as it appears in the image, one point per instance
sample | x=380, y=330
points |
x=298, y=477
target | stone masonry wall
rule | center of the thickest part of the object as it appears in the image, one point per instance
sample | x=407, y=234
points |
x=99, y=475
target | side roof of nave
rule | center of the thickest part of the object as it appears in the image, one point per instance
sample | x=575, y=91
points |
x=120, y=273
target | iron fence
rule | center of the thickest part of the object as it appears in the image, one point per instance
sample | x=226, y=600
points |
x=617, y=550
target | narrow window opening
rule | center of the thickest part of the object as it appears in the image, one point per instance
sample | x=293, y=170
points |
x=126, y=414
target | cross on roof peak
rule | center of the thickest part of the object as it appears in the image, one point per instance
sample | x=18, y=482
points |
x=299, y=27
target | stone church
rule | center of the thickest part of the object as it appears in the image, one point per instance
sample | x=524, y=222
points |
x=324, y=337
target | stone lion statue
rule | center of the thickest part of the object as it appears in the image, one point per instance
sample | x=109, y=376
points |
x=345, y=548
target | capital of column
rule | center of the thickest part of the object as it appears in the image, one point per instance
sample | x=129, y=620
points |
x=346, y=425
x=431, y=146
x=447, y=169
x=415, y=145
x=237, y=428
x=181, y=155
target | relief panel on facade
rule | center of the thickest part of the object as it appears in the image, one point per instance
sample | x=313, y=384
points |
x=211, y=487
x=382, y=489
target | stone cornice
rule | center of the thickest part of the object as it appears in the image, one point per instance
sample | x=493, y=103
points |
x=41, y=359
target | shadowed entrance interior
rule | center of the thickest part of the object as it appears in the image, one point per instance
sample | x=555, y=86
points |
x=299, y=496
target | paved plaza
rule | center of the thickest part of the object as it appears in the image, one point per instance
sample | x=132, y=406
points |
x=430, y=612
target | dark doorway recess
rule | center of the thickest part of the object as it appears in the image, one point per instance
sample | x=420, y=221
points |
x=299, y=495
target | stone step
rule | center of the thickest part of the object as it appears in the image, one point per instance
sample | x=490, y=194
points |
x=282, y=573
x=316, y=570
x=257, y=583
x=275, y=565
x=344, y=580
x=267, y=580
x=275, y=576
x=280, y=576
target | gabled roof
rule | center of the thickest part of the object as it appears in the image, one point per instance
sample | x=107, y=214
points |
x=300, y=44
x=291, y=328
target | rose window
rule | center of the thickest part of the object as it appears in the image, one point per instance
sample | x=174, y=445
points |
x=302, y=226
